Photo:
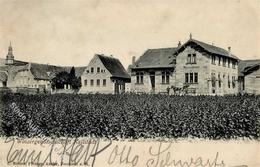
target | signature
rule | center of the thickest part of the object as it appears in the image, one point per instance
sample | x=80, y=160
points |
x=72, y=153
x=160, y=156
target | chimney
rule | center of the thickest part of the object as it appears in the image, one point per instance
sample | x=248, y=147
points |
x=179, y=44
x=190, y=36
x=229, y=50
x=133, y=60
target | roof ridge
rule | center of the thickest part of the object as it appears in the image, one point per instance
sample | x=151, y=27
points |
x=107, y=56
x=208, y=44
x=162, y=48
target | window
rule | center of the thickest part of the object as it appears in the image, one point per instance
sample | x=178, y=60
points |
x=219, y=61
x=139, y=77
x=98, y=82
x=85, y=82
x=195, y=77
x=194, y=58
x=191, y=59
x=87, y=71
x=228, y=82
x=233, y=82
x=191, y=77
x=166, y=77
x=234, y=64
x=224, y=62
x=186, y=77
x=228, y=63
x=213, y=59
x=91, y=82
x=98, y=70
x=104, y=82
x=92, y=70
x=219, y=81
x=213, y=80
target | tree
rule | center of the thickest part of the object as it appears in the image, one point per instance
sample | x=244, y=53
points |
x=74, y=80
x=72, y=74
x=64, y=77
x=60, y=79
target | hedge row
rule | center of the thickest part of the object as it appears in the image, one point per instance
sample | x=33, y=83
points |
x=131, y=116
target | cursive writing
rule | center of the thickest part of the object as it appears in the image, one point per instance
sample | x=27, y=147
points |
x=162, y=157
x=123, y=156
x=74, y=153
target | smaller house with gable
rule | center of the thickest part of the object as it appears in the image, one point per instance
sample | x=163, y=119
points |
x=153, y=72
x=104, y=74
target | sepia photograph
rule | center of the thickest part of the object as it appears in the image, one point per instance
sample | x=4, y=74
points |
x=145, y=83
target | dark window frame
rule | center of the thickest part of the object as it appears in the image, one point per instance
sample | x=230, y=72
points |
x=92, y=82
x=98, y=82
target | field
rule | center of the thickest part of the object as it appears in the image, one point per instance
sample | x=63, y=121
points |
x=131, y=116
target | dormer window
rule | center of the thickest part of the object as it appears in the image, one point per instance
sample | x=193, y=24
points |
x=98, y=69
x=92, y=70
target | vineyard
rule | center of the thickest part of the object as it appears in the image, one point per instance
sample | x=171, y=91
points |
x=131, y=116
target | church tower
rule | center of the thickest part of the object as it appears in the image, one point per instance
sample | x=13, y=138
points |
x=9, y=57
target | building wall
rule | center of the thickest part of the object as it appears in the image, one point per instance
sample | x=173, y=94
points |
x=224, y=72
x=146, y=86
x=87, y=75
x=26, y=79
x=205, y=68
x=252, y=82
x=201, y=67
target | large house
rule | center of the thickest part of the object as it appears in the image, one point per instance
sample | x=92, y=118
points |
x=104, y=74
x=16, y=74
x=200, y=67
x=249, y=76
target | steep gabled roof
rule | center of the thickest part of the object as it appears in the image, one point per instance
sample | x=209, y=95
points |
x=155, y=58
x=47, y=72
x=114, y=66
x=44, y=71
x=208, y=48
x=245, y=65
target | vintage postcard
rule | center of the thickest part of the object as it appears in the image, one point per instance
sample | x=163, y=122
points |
x=130, y=83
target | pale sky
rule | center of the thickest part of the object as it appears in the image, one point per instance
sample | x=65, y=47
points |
x=70, y=32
